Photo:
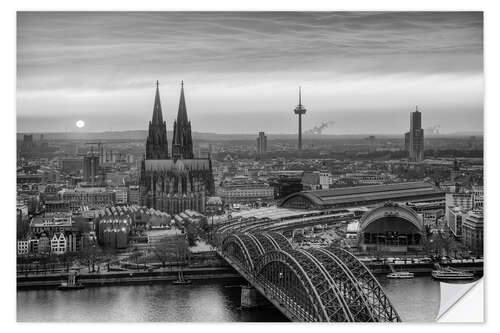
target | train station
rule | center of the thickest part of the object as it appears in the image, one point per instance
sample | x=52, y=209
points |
x=391, y=227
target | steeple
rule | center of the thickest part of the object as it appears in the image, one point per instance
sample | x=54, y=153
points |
x=157, y=116
x=182, y=113
x=182, y=142
x=157, y=143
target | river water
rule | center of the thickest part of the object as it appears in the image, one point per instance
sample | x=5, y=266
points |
x=415, y=300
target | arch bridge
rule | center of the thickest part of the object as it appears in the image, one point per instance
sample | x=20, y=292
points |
x=321, y=285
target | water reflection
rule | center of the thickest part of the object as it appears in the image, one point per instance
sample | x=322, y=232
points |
x=415, y=300
x=161, y=302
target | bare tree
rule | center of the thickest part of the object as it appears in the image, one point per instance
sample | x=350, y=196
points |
x=135, y=255
x=163, y=252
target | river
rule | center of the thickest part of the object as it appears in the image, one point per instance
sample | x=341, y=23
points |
x=415, y=300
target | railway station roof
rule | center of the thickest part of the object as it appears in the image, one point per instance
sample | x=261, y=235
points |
x=360, y=195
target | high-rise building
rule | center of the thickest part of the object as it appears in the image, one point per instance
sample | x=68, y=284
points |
x=28, y=141
x=407, y=141
x=101, y=154
x=174, y=184
x=455, y=171
x=261, y=144
x=414, y=139
x=90, y=168
x=300, y=110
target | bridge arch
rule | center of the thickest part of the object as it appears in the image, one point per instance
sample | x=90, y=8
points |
x=279, y=239
x=266, y=242
x=381, y=305
x=348, y=285
x=295, y=278
x=242, y=248
x=310, y=285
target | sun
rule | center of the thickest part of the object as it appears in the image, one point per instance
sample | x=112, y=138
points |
x=80, y=124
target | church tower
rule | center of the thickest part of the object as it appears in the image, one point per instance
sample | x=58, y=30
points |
x=182, y=142
x=157, y=143
x=177, y=182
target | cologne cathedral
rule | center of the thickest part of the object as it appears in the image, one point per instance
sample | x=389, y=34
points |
x=174, y=182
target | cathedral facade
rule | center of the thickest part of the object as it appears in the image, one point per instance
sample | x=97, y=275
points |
x=176, y=182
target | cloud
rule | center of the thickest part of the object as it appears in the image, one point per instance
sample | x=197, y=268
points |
x=85, y=61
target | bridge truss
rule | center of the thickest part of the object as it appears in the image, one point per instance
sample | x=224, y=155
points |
x=320, y=285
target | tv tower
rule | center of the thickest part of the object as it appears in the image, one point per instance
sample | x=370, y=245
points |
x=300, y=110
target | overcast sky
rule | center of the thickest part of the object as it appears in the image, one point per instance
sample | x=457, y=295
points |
x=365, y=71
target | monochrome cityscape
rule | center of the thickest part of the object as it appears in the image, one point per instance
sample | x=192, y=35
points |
x=330, y=202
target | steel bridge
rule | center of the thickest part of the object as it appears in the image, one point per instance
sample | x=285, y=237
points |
x=320, y=285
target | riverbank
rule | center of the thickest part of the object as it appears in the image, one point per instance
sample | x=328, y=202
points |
x=129, y=277
x=416, y=300
x=423, y=269
x=215, y=269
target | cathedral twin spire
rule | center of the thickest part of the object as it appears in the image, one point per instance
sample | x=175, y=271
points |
x=157, y=143
x=182, y=143
x=157, y=116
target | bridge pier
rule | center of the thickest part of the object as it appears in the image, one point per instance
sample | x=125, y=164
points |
x=251, y=298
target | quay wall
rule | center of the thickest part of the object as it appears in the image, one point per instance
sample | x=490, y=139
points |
x=129, y=277
x=424, y=268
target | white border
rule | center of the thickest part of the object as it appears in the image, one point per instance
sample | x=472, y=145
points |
x=8, y=70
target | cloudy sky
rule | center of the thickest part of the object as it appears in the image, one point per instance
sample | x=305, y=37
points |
x=365, y=71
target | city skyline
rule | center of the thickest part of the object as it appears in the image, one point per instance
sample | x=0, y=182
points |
x=240, y=64
x=248, y=166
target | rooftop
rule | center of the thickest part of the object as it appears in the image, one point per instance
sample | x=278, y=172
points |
x=368, y=193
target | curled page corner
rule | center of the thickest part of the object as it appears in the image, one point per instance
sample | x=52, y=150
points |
x=451, y=295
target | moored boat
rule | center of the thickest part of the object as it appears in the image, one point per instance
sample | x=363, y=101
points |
x=451, y=274
x=72, y=283
x=400, y=275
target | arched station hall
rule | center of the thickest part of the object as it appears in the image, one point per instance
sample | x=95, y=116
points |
x=391, y=227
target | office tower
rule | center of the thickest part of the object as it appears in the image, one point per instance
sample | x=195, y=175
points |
x=414, y=139
x=261, y=144
x=90, y=168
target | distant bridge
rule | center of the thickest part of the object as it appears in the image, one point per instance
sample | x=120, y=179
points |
x=321, y=285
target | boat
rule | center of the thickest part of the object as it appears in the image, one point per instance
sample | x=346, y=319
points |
x=400, y=275
x=451, y=274
x=181, y=280
x=72, y=283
